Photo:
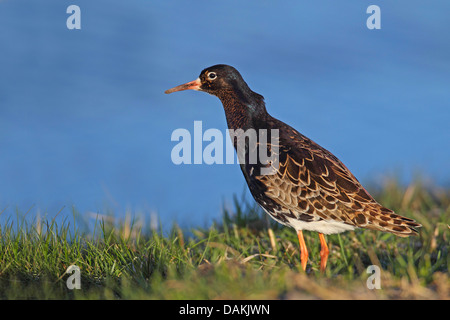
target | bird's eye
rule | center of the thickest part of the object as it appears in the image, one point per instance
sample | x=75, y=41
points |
x=212, y=75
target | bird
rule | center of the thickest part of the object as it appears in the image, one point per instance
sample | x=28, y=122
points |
x=309, y=188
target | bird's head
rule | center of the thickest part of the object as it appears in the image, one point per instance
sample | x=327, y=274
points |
x=215, y=80
x=227, y=84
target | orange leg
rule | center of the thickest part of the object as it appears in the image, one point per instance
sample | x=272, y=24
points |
x=323, y=252
x=303, y=249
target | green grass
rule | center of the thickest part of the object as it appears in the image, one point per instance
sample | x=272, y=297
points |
x=244, y=256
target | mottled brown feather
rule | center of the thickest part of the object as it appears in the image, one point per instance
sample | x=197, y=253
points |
x=312, y=181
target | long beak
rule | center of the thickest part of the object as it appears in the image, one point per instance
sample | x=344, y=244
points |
x=193, y=85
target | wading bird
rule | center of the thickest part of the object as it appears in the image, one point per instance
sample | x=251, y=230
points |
x=309, y=188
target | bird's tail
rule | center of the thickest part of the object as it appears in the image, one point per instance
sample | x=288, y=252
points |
x=383, y=219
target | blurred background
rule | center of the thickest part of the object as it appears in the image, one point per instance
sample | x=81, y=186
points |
x=85, y=123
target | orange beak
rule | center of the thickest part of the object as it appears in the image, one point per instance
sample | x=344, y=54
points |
x=193, y=85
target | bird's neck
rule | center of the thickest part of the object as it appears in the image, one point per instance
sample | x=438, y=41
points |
x=242, y=110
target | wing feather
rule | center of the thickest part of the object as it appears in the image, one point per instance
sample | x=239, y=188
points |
x=311, y=184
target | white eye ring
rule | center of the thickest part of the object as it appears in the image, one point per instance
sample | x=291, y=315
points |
x=212, y=76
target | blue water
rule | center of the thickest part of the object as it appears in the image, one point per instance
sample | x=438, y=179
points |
x=84, y=121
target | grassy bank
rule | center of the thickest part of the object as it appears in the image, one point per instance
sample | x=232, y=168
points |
x=244, y=256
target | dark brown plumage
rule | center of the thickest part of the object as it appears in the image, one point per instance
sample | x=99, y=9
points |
x=310, y=189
